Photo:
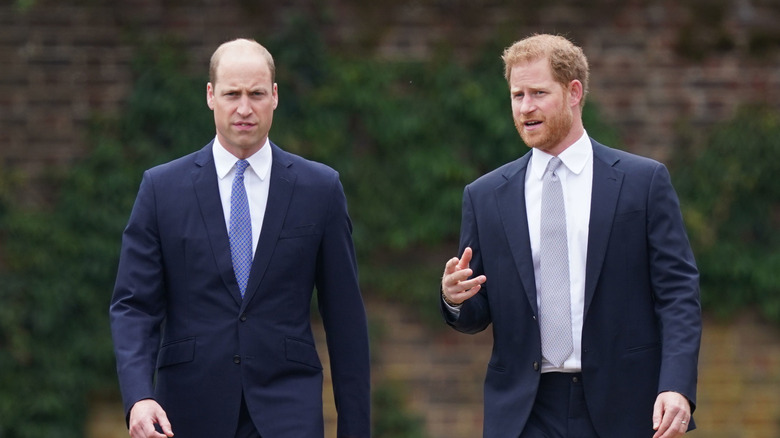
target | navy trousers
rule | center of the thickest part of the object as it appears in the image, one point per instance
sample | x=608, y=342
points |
x=246, y=428
x=559, y=409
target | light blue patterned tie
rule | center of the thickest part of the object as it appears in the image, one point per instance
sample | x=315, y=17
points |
x=555, y=302
x=240, y=228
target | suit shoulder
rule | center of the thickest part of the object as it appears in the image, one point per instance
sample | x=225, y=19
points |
x=624, y=160
x=303, y=165
x=178, y=164
x=500, y=174
x=639, y=172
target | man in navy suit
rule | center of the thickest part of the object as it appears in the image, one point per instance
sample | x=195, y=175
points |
x=616, y=355
x=210, y=349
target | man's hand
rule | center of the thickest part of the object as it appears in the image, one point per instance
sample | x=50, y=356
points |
x=455, y=283
x=671, y=415
x=144, y=415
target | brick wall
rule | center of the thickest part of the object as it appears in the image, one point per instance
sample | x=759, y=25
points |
x=67, y=60
x=64, y=61
x=441, y=371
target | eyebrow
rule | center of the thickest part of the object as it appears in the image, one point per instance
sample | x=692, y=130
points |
x=255, y=89
x=529, y=88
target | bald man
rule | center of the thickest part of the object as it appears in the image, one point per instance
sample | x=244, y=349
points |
x=210, y=314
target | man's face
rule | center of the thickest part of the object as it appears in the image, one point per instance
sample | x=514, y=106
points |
x=542, y=109
x=243, y=99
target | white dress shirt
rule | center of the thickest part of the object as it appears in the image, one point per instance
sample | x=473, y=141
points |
x=256, y=181
x=576, y=177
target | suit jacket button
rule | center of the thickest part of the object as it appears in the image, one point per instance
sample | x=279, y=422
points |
x=243, y=317
x=536, y=366
x=236, y=359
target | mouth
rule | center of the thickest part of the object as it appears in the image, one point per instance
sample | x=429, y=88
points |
x=531, y=125
x=243, y=125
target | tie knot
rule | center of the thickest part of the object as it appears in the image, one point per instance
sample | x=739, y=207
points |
x=241, y=166
x=553, y=165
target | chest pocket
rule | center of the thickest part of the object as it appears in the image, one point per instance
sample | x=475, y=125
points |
x=298, y=231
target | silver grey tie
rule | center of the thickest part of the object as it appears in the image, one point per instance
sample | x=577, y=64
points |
x=555, y=301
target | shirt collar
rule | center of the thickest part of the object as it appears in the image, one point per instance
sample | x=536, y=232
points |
x=259, y=162
x=575, y=157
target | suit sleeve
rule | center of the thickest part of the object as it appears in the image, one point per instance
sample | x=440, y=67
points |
x=474, y=315
x=138, y=305
x=675, y=282
x=343, y=313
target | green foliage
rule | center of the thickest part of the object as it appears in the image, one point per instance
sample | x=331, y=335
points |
x=390, y=419
x=731, y=201
x=55, y=347
x=398, y=134
x=406, y=137
x=24, y=5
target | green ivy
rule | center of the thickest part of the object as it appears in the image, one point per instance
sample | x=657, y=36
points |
x=391, y=420
x=60, y=262
x=405, y=136
x=731, y=203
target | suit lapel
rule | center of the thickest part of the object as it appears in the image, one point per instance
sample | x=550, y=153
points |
x=607, y=181
x=279, y=195
x=511, y=207
x=204, y=179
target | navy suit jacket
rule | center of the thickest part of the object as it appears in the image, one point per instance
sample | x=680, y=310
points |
x=184, y=336
x=642, y=318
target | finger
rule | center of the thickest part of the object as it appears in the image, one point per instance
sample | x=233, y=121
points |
x=475, y=282
x=460, y=275
x=459, y=281
x=461, y=296
x=678, y=426
x=450, y=282
x=144, y=430
x=675, y=430
x=465, y=259
x=450, y=266
x=660, y=420
x=165, y=425
x=453, y=274
x=663, y=430
x=657, y=415
x=468, y=293
x=464, y=290
x=140, y=429
x=673, y=424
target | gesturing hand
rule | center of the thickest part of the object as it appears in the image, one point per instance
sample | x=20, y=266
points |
x=455, y=283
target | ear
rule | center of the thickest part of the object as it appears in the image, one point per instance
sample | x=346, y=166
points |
x=575, y=93
x=210, y=96
x=275, y=95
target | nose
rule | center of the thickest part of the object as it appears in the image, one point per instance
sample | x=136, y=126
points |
x=527, y=105
x=244, y=107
